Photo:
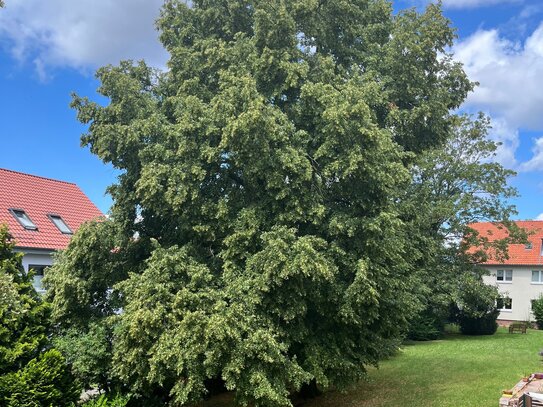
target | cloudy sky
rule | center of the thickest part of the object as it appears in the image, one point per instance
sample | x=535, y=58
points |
x=49, y=49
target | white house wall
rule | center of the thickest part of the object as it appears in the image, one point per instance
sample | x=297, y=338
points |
x=521, y=290
x=42, y=259
x=36, y=257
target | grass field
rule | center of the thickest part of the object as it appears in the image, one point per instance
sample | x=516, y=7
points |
x=456, y=371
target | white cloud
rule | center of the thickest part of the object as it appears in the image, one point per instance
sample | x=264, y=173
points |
x=536, y=162
x=81, y=34
x=509, y=74
x=539, y=217
x=475, y=3
x=508, y=137
x=530, y=10
x=465, y=4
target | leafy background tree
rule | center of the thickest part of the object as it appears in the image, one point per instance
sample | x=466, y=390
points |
x=454, y=186
x=30, y=373
x=261, y=234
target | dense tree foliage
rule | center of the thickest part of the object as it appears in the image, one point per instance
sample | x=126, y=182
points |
x=28, y=377
x=261, y=233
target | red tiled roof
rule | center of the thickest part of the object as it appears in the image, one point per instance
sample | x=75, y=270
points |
x=38, y=197
x=518, y=253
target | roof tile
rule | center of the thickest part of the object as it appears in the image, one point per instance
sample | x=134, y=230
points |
x=38, y=197
x=518, y=253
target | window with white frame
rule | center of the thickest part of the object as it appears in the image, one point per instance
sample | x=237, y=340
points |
x=504, y=303
x=537, y=276
x=39, y=272
x=504, y=276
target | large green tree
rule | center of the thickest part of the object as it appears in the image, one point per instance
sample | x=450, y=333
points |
x=257, y=234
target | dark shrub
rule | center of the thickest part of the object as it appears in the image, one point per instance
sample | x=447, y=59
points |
x=485, y=325
x=476, y=310
x=425, y=327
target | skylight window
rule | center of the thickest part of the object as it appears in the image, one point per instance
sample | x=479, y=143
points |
x=23, y=219
x=60, y=224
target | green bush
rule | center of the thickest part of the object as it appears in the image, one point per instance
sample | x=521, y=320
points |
x=476, y=310
x=44, y=381
x=89, y=354
x=537, y=309
x=485, y=325
x=105, y=400
x=425, y=327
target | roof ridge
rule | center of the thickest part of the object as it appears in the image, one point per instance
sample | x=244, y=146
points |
x=514, y=221
x=38, y=176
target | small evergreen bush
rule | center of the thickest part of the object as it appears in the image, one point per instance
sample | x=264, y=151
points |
x=537, y=309
x=425, y=327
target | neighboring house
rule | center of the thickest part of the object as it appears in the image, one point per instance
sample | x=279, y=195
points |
x=41, y=214
x=520, y=277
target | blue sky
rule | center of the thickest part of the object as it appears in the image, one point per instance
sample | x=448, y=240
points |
x=49, y=49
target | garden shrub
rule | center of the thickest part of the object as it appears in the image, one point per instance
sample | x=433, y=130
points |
x=537, y=309
x=476, y=310
x=425, y=327
x=484, y=325
x=108, y=400
x=89, y=354
x=44, y=381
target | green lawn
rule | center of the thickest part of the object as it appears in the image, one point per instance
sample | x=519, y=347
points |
x=456, y=371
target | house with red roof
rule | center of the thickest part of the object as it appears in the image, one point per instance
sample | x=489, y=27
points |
x=42, y=214
x=519, y=277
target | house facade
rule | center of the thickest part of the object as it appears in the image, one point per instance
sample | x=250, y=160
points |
x=41, y=214
x=519, y=278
